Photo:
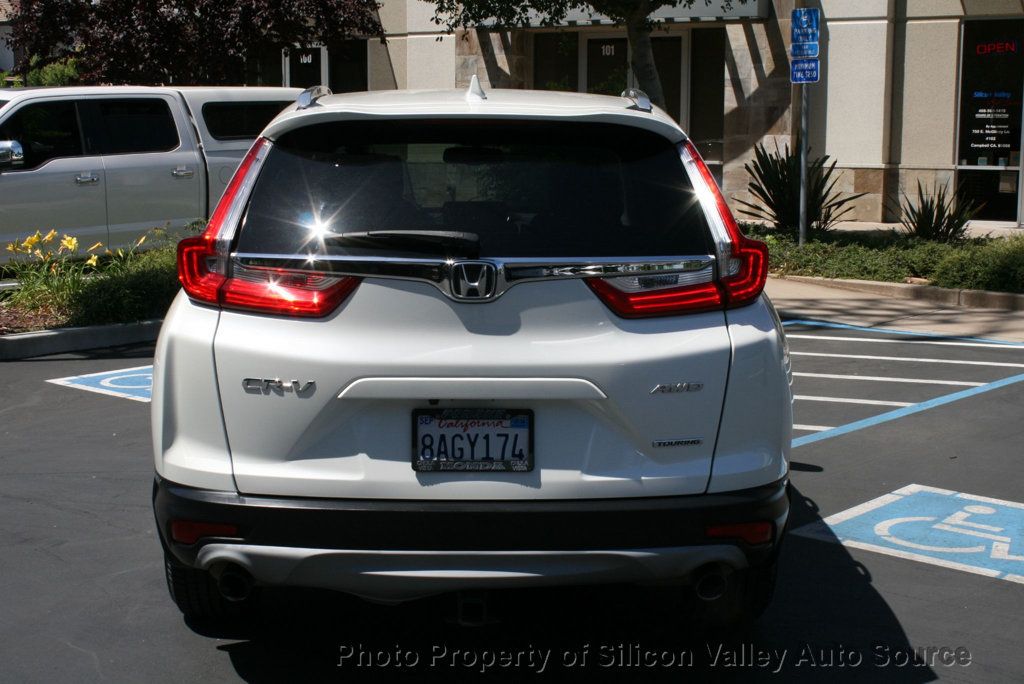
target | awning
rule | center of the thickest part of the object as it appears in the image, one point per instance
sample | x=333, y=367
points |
x=700, y=10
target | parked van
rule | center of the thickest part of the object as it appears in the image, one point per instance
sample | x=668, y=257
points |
x=109, y=163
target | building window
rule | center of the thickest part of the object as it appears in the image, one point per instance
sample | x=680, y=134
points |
x=264, y=69
x=988, y=151
x=555, y=58
x=347, y=67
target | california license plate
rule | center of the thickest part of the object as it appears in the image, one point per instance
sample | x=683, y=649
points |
x=472, y=440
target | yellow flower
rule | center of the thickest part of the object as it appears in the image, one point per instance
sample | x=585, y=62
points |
x=12, y=247
x=96, y=246
x=91, y=261
x=69, y=243
x=31, y=241
x=49, y=236
x=37, y=253
x=140, y=241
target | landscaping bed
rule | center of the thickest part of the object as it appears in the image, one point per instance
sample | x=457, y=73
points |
x=994, y=264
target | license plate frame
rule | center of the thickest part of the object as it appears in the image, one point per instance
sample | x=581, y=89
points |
x=471, y=465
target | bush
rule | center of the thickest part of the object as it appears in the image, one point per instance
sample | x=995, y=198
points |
x=998, y=265
x=940, y=217
x=60, y=73
x=775, y=181
x=139, y=289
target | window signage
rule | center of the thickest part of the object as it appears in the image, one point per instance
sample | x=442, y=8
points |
x=991, y=94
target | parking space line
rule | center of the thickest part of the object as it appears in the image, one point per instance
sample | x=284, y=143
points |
x=875, y=378
x=879, y=340
x=848, y=400
x=908, y=358
x=906, y=411
x=890, y=331
x=812, y=428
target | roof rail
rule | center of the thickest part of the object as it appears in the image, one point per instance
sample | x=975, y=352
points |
x=639, y=98
x=308, y=97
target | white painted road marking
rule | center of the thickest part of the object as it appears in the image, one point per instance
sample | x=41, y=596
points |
x=876, y=378
x=813, y=428
x=849, y=400
x=831, y=338
x=907, y=358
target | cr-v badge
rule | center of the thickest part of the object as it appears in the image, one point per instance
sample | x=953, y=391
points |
x=268, y=385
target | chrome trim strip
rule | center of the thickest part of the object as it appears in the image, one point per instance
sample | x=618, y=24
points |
x=510, y=271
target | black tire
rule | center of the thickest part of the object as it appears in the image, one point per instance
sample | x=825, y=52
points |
x=748, y=594
x=195, y=593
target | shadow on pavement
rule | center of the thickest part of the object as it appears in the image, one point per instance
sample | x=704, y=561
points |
x=827, y=621
x=131, y=351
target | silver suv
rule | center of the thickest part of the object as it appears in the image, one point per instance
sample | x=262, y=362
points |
x=439, y=341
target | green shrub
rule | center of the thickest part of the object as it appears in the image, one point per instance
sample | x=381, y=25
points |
x=940, y=216
x=137, y=289
x=775, y=182
x=998, y=265
x=61, y=73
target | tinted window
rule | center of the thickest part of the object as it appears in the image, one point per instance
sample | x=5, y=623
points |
x=134, y=126
x=239, y=120
x=3, y=102
x=529, y=189
x=346, y=67
x=46, y=130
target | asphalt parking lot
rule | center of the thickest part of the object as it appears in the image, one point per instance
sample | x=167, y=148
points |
x=907, y=538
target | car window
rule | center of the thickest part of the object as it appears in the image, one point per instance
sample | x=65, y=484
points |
x=240, y=120
x=133, y=126
x=46, y=130
x=526, y=188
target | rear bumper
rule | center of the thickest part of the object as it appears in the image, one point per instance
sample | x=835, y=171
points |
x=397, y=550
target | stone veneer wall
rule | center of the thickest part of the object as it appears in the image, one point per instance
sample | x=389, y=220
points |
x=758, y=107
x=500, y=59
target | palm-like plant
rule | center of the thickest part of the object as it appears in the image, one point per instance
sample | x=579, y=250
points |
x=775, y=182
x=941, y=216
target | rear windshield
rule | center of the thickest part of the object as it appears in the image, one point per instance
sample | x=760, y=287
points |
x=525, y=188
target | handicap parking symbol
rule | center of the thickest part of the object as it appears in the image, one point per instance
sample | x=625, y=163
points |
x=128, y=383
x=966, y=532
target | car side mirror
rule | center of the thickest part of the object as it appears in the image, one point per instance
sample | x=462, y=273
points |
x=11, y=154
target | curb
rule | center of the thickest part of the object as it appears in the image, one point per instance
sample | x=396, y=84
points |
x=975, y=299
x=62, y=340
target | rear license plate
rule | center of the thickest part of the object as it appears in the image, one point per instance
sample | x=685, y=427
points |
x=472, y=440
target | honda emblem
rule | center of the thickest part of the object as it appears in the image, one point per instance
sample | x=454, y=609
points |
x=473, y=280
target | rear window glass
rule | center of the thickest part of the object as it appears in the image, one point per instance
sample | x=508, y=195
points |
x=240, y=120
x=134, y=126
x=525, y=188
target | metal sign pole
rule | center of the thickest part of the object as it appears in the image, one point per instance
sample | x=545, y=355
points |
x=803, y=163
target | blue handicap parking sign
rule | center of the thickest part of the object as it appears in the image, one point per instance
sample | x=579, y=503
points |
x=804, y=71
x=805, y=23
x=127, y=383
x=966, y=532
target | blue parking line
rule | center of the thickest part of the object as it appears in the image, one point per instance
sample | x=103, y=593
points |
x=905, y=411
x=890, y=331
x=908, y=410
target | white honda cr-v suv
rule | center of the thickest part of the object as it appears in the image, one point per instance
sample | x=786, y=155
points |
x=444, y=340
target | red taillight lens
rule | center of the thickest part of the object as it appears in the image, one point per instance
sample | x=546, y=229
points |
x=203, y=267
x=657, y=302
x=751, y=532
x=745, y=270
x=191, y=531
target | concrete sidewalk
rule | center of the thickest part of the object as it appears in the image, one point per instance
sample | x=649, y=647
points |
x=815, y=302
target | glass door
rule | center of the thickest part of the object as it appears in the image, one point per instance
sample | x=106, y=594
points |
x=607, y=65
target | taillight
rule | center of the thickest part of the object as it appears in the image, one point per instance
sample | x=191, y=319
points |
x=191, y=531
x=203, y=267
x=741, y=277
x=749, y=532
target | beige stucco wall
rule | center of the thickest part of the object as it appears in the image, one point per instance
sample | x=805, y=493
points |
x=417, y=53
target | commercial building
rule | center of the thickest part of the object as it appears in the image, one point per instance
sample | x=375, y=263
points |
x=910, y=90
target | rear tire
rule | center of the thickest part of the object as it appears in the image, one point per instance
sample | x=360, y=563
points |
x=195, y=593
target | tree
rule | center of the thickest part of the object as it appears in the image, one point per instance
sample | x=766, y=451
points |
x=633, y=14
x=181, y=41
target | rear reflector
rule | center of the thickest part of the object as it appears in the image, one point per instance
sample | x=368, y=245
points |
x=203, y=267
x=751, y=533
x=191, y=531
